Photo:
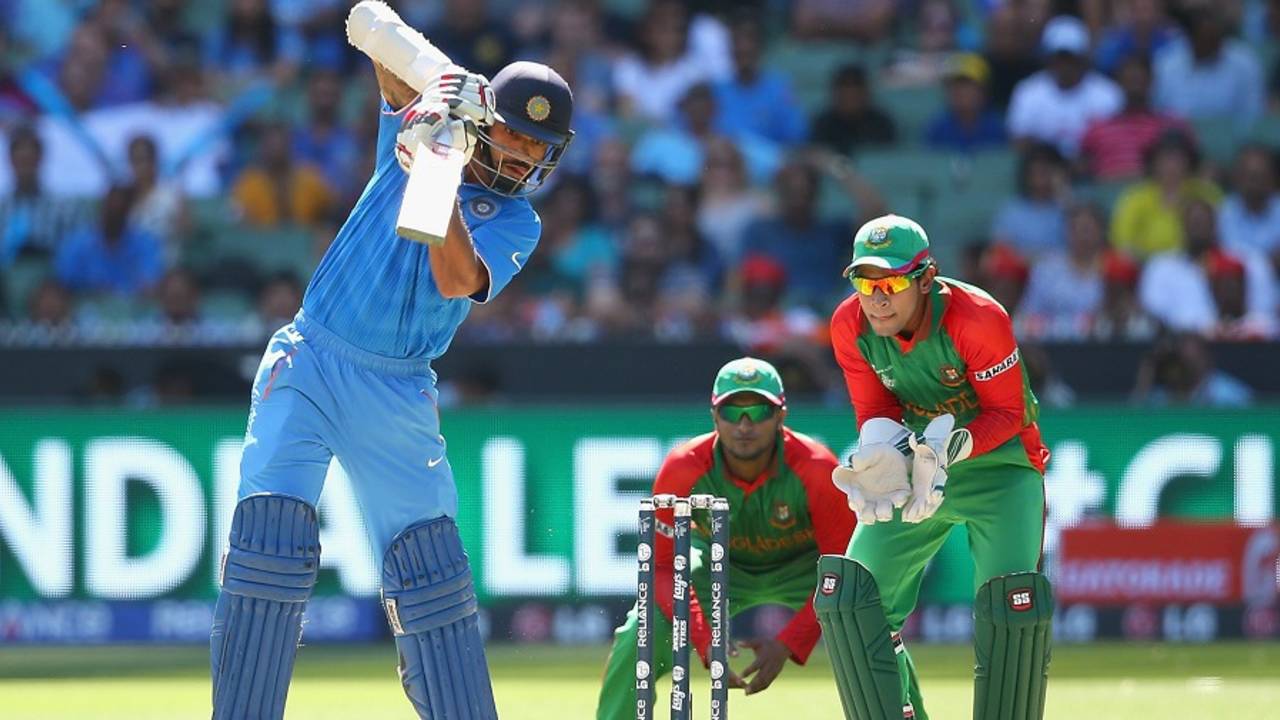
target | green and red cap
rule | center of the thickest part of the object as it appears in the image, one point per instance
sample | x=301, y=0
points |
x=890, y=242
x=748, y=375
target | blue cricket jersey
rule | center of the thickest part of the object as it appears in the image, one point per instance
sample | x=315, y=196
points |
x=374, y=289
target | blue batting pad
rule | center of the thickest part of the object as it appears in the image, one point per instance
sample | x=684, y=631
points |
x=431, y=605
x=267, y=576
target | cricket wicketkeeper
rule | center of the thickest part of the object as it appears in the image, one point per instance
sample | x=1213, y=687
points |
x=947, y=437
x=783, y=512
x=351, y=377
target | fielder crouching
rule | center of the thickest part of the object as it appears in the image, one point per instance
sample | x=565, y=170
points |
x=351, y=377
x=783, y=512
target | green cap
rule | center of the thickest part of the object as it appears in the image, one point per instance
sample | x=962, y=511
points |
x=748, y=375
x=890, y=242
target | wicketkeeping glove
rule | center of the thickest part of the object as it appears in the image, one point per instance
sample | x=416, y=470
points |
x=939, y=446
x=874, y=479
x=429, y=123
x=467, y=94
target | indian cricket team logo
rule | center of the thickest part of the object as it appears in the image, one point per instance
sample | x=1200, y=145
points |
x=1020, y=600
x=538, y=108
x=483, y=208
x=830, y=583
x=951, y=376
x=878, y=237
x=781, y=517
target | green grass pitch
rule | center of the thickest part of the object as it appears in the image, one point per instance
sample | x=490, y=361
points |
x=1093, y=682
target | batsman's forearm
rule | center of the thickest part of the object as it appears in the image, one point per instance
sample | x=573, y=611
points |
x=456, y=267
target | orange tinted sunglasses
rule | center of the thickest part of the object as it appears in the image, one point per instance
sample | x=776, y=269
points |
x=891, y=285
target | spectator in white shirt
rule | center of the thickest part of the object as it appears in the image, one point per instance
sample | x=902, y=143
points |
x=1192, y=290
x=1207, y=75
x=1056, y=104
x=1249, y=218
x=675, y=54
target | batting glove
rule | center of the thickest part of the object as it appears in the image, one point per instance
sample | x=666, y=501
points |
x=939, y=446
x=429, y=123
x=467, y=94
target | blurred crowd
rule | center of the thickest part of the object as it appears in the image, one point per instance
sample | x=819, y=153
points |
x=171, y=172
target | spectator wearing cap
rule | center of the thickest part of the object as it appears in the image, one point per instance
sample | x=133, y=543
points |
x=760, y=323
x=1148, y=215
x=968, y=123
x=1056, y=104
x=1004, y=274
x=803, y=243
x=278, y=189
x=1066, y=286
x=1207, y=75
x=31, y=220
x=851, y=120
x=1142, y=32
x=112, y=256
x=1033, y=221
x=1121, y=317
x=1178, y=288
x=1249, y=218
x=757, y=101
x=1112, y=148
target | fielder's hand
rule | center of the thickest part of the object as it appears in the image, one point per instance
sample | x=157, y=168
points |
x=940, y=446
x=428, y=123
x=875, y=477
x=467, y=94
x=771, y=657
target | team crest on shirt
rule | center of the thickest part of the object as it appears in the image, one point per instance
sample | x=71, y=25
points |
x=538, y=108
x=878, y=237
x=951, y=377
x=781, y=516
x=886, y=377
x=483, y=208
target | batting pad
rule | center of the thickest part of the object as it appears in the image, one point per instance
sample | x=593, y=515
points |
x=858, y=639
x=431, y=605
x=1013, y=632
x=267, y=576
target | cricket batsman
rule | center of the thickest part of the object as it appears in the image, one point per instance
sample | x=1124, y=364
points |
x=947, y=437
x=351, y=377
x=783, y=512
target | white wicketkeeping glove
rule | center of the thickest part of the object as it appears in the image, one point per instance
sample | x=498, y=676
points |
x=467, y=94
x=875, y=477
x=430, y=124
x=939, y=446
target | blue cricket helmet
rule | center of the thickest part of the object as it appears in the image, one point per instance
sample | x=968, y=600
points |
x=533, y=100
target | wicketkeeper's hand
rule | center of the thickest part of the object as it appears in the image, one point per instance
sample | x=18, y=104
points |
x=467, y=94
x=429, y=123
x=939, y=446
x=875, y=477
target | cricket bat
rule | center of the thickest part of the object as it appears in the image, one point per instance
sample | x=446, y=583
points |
x=430, y=195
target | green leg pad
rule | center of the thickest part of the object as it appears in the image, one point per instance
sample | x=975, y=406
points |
x=858, y=639
x=1013, y=633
